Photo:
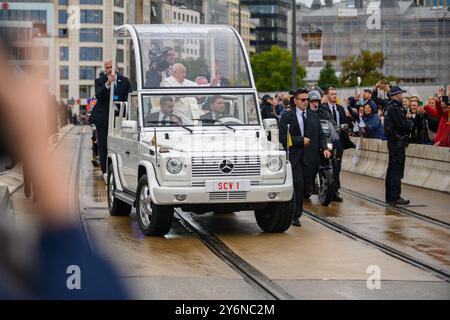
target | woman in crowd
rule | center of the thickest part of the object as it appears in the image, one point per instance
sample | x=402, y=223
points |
x=374, y=127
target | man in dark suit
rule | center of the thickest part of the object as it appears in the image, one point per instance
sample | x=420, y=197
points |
x=307, y=143
x=121, y=87
x=217, y=107
x=165, y=115
x=339, y=116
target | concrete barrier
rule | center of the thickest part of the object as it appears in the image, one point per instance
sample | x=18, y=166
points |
x=426, y=166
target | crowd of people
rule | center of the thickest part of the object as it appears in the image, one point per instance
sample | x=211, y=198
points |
x=399, y=119
x=365, y=113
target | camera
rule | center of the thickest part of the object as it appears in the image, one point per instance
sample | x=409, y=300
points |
x=158, y=59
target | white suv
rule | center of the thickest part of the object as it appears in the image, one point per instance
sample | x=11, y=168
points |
x=201, y=148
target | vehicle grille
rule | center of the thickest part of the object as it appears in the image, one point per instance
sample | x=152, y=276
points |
x=244, y=166
x=231, y=195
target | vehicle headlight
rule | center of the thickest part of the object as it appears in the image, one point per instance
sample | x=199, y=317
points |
x=274, y=163
x=330, y=146
x=174, y=166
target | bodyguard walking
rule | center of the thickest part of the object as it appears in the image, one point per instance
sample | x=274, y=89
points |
x=397, y=129
x=122, y=87
x=301, y=133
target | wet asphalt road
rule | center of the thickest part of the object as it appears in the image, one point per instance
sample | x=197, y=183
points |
x=311, y=262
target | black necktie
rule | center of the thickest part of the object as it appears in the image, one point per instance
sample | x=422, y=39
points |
x=164, y=119
x=334, y=114
x=304, y=122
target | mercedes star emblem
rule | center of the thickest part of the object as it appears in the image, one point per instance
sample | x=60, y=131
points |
x=226, y=166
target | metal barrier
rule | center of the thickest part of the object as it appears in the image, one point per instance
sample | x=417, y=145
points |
x=426, y=166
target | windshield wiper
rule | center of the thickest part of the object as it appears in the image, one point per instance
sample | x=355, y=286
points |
x=216, y=121
x=172, y=122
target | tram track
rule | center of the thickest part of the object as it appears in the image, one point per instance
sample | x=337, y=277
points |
x=337, y=227
x=400, y=210
x=251, y=275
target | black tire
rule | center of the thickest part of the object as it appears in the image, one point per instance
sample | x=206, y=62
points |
x=116, y=207
x=276, y=217
x=326, y=187
x=153, y=219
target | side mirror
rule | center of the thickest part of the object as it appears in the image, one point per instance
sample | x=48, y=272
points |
x=129, y=126
x=270, y=124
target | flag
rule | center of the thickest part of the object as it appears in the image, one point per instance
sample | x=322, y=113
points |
x=289, y=139
x=154, y=142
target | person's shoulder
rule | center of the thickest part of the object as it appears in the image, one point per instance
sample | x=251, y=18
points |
x=205, y=116
x=123, y=78
x=287, y=115
x=101, y=79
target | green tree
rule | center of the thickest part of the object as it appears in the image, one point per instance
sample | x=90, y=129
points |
x=328, y=76
x=195, y=67
x=366, y=66
x=273, y=70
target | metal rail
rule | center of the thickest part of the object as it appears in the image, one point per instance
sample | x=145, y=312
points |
x=250, y=274
x=400, y=210
x=382, y=247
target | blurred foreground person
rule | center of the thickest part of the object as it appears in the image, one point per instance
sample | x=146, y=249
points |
x=42, y=269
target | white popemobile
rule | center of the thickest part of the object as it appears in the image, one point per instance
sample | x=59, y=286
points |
x=190, y=135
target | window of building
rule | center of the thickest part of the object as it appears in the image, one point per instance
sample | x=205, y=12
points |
x=118, y=3
x=91, y=54
x=63, y=33
x=64, y=72
x=91, y=16
x=119, y=55
x=64, y=53
x=87, y=73
x=97, y=2
x=91, y=35
x=118, y=18
x=63, y=2
x=62, y=16
x=64, y=91
x=85, y=91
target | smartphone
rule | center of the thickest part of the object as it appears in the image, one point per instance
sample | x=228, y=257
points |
x=421, y=103
x=445, y=100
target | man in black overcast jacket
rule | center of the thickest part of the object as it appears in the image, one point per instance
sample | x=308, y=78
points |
x=122, y=87
x=307, y=143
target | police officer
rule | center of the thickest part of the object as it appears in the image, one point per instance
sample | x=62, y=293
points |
x=397, y=129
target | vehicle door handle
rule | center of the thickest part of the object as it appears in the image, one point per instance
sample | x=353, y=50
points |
x=127, y=152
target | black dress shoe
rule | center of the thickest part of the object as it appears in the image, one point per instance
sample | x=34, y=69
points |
x=402, y=201
x=296, y=222
x=338, y=198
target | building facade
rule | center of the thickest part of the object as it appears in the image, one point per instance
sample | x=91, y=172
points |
x=30, y=26
x=84, y=43
x=415, y=39
x=270, y=19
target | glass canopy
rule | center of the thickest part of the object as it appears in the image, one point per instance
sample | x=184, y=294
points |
x=191, y=56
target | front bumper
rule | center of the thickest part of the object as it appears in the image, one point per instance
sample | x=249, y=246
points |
x=199, y=195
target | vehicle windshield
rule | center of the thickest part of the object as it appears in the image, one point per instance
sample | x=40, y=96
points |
x=199, y=110
x=191, y=56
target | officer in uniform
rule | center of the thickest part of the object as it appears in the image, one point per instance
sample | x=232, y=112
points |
x=397, y=129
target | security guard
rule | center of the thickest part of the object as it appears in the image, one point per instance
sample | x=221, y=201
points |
x=397, y=129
